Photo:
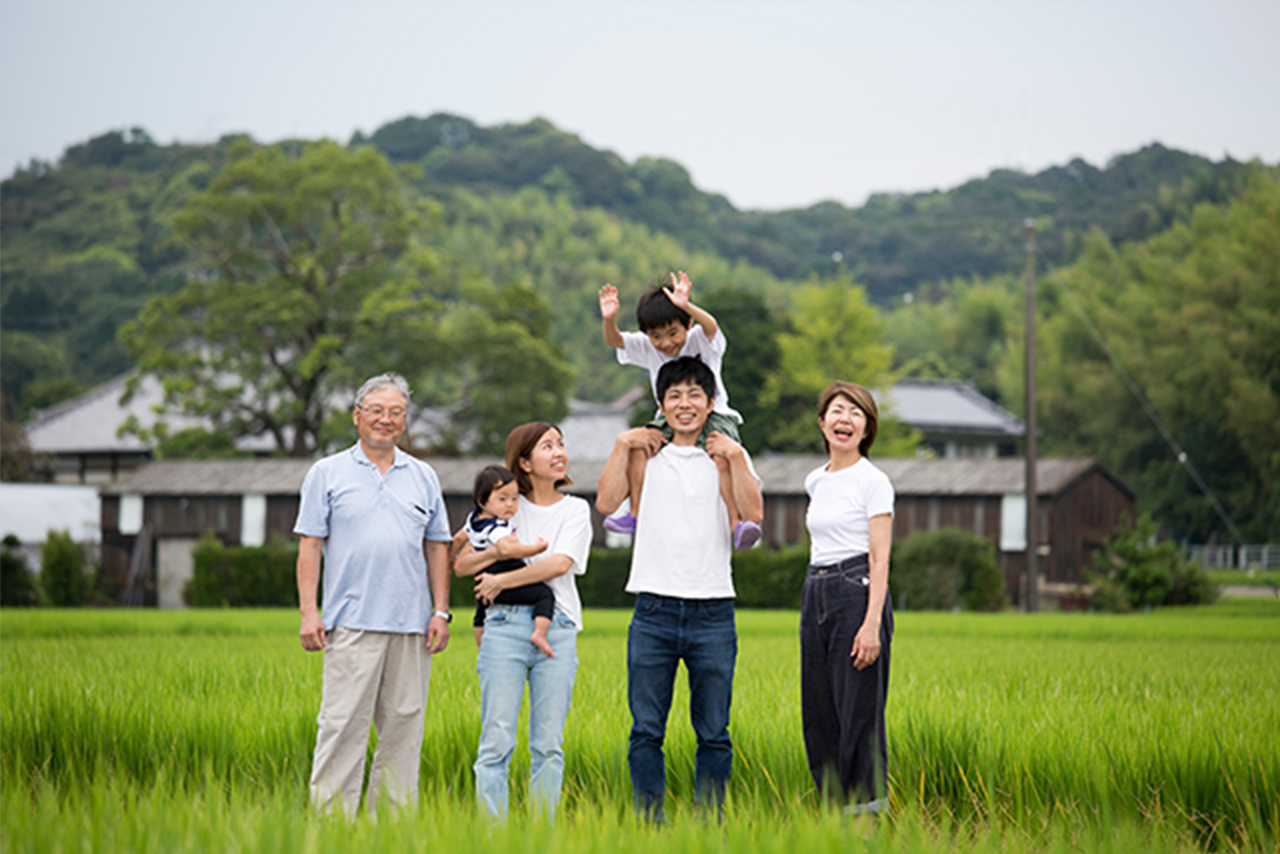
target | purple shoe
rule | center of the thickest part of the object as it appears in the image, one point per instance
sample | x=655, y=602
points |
x=745, y=535
x=625, y=524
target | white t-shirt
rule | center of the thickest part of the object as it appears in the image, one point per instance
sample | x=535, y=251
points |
x=841, y=505
x=683, y=541
x=639, y=350
x=566, y=526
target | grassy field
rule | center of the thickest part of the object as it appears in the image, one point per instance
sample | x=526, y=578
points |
x=147, y=731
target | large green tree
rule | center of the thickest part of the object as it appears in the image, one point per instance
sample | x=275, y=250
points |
x=1193, y=316
x=751, y=329
x=306, y=275
x=956, y=330
x=289, y=256
x=835, y=335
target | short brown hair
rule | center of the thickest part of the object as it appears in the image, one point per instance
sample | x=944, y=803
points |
x=520, y=444
x=859, y=397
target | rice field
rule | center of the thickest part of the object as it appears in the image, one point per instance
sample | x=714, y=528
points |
x=150, y=731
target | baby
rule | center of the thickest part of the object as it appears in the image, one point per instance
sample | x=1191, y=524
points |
x=496, y=497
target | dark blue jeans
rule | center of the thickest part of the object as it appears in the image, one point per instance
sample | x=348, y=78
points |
x=701, y=633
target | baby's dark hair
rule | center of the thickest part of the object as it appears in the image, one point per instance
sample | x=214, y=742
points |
x=489, y=479
x=656, y=309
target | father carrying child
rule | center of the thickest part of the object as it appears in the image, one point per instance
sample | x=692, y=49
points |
x=671, y=326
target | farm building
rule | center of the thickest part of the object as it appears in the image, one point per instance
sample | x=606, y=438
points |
x=152, y=519
x=78, y=440
x=1081, y=504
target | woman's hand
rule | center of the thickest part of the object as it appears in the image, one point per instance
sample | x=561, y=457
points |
x=488, y=586
x=866, y=646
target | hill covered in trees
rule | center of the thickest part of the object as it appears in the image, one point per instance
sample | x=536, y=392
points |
x=88, y=240
x=504, y=234
x=892, y=244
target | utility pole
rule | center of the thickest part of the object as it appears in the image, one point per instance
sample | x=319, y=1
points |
x=1031, y=586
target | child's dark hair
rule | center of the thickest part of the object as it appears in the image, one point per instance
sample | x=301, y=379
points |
x=656, y=309
x=685, y=369
x=489, y=479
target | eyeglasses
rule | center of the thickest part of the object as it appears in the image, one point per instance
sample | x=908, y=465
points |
x=378, y=413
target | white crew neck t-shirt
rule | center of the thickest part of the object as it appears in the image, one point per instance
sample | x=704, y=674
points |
x=566, y=526
x=841, y=505
x=683, y=542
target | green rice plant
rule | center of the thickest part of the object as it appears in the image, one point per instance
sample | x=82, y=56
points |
x=111, y=816
x=1047, y=730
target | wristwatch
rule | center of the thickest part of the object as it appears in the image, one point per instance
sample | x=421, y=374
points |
x=444, y=615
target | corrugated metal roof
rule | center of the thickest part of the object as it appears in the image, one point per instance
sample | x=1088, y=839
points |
x=214, y=477
x=782, y=474
x=950, y=406
x=284, y=476
x=88, y=423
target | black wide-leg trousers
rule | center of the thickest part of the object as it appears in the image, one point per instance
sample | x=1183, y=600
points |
x=842, y=708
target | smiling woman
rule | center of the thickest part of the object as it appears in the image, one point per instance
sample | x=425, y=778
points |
x=508, y=659
x=846, y=621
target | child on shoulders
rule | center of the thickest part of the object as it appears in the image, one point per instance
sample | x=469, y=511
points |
x=671, y=326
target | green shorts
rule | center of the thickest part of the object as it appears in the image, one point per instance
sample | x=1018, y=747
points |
x=717, y=421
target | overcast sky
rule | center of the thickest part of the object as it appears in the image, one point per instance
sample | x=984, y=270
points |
x=773, y=104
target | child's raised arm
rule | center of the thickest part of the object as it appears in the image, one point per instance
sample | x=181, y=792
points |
x=678, y=293
x=609, y=316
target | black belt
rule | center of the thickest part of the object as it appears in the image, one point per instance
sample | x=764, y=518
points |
x=850, y=563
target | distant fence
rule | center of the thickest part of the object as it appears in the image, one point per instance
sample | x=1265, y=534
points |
x=1230, y=557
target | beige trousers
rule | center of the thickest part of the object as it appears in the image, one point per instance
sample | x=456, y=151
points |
x=370, y=677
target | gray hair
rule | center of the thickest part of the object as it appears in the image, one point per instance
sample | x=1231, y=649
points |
x=387, y=380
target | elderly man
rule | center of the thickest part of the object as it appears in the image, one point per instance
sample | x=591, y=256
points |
x=378, y=517
x=681, y=573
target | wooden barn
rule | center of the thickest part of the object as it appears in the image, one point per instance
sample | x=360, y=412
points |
x=1081, y=504
x=153, y=516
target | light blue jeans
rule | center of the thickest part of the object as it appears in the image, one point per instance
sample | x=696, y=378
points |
x=507, y=660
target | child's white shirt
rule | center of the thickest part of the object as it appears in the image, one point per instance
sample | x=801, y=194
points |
x=637, y=349
x=482, y=533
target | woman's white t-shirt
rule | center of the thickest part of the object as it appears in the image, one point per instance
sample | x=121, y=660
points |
x=566, y=526
x=841, y=505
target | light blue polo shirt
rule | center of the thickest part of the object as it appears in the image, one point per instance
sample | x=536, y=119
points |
x=375, y=574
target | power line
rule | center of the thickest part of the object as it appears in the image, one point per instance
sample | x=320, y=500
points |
x=1179, y=454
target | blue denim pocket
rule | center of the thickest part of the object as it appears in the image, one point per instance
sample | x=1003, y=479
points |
x=647, y=604
x=718, y=611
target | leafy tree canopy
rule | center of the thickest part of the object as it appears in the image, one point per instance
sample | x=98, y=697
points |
x=835, y=335
x=306, y=279
x=1194, y=316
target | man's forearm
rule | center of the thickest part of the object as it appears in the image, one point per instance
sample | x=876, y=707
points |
x=437, y=555
x=612, y=487
x=308, y=572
